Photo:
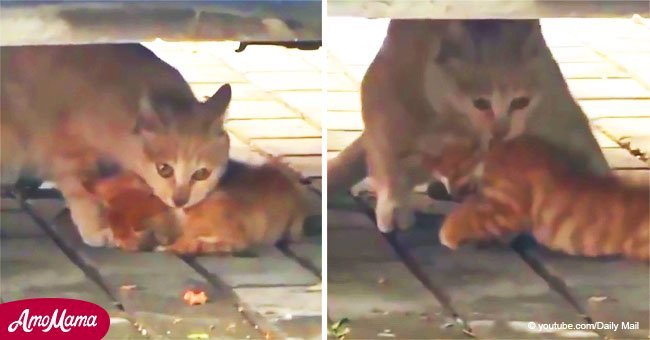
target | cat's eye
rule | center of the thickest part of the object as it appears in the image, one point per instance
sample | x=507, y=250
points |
x=482, y=104
x=164, y=170
x=201, y=174
x=519, y=103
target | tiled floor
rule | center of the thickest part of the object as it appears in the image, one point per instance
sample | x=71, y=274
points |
x=606, y=63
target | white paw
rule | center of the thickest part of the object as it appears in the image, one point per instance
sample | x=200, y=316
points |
x=444, y=240
x=384, y=218
x=98, y=238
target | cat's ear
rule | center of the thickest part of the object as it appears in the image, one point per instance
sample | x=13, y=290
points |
x=218, y=103
x=450, y=44
x=216, y=107
x=534, y=41
x=148, y=120
x=447, y=51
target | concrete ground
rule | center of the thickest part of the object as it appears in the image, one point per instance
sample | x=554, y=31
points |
x=607, y=65
x=269, y=293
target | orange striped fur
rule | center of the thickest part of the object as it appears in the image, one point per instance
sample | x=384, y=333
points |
x=257, y=205
x=526, y=186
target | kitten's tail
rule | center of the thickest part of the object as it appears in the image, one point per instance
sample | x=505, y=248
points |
x=347, y=168
x=308, y=196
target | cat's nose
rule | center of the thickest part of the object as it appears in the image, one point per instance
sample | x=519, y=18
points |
x=180, y=201
x=181, y=196
x=501, y=127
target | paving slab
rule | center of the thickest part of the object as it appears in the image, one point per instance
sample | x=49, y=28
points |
x=616, y=108
x=273, y=285
x=309, y=166
x=151, y=286
x=273, y=128
x=338, y=140
x=17, y=224
x=289, y=146
x=260, y=109
x=621, y=158
x=33, y=266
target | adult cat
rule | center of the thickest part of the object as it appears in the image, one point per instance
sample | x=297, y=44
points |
x=496, y=78
x=63, y=108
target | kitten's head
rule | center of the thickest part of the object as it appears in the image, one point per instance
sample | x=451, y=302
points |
x=487, y=70
x=454, y=158
x=185, y=145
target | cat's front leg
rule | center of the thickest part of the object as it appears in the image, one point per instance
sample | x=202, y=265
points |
x=393, y=186
x=86, y=212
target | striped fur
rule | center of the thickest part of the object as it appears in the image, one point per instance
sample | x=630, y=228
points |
x=526, y=186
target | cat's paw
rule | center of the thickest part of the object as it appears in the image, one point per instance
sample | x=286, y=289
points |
x=446, y=240
x=92, y=226
x=197, y=246
x=389, y=218
x=98, y=238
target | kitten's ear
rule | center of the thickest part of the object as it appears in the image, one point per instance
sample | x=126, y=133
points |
x=217, y=105
x=148, y=119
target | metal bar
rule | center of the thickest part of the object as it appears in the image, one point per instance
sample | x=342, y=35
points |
x=526, y=251
x=412, y=265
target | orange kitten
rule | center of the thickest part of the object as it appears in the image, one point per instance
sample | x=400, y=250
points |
x=130, y=207
x=525, y=187
x=256, y=205
x=253, y=205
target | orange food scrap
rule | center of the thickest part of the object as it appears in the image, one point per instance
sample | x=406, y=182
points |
x=195, y=297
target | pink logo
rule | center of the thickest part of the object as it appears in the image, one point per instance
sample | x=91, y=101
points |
x=52, y=318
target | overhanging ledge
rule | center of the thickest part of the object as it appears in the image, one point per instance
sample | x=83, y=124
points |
x=78, y=22
x=487, y=9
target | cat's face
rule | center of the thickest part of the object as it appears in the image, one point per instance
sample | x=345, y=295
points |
x=185, y=147
x=487, y=70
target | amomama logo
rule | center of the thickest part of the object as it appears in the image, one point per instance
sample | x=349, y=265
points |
x=52, y=318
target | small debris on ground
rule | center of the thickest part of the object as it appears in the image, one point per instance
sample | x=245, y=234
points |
x=426, y=317
x=195, y=297
x=198, y=336
x=231, y=327
x=376, y=310
x=601, y=299
x=381, y=281
x=128, y=287
x=387, y=333
x=339, y=329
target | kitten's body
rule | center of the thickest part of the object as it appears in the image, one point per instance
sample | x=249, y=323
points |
x=526, y=187
x=252, y=205
x=63, y=107
x=418, y=83
x=256, y=205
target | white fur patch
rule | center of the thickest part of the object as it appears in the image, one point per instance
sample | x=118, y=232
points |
x=208, y=239
x=181, y=215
